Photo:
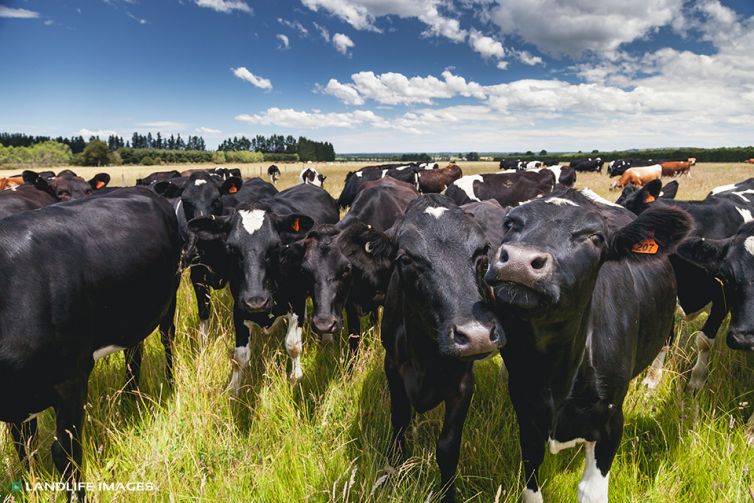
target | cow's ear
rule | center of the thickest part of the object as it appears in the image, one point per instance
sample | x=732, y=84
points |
x=99, y=181
x=231, y=185
x=168, y=189
x=372, y=242
x=292, y=255
x=43, y=184
x=706, y=253
x=209, y=228
x=292, y=227
x=670, y=190
x=30, y=177
x=650, y=192
x=655, y=232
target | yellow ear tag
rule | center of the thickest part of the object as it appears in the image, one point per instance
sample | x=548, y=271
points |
x=648, y=246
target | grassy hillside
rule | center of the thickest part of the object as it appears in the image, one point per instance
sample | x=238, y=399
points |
x=324, y=440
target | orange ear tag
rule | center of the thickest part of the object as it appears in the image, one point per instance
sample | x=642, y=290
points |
x=648, y=246
x=100, y=184
x=650, y=199
x=296, y=226
x=232, y=189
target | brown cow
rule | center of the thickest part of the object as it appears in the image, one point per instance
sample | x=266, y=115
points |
x=674, y=168
x=11, y=182
x=437, y=180
x=749, y=161
x=638, y=176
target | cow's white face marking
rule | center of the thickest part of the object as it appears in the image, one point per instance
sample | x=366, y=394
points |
x=530, y=496
x=745, y=214
x=723, y=188
x=593, y=486
x=435, y=211
x=199, y=182
x=466, y=184
x=559, y=201
x=556, y=447
x=106, y=350
x=596, y=198
x=251, y=220
x=749, y=245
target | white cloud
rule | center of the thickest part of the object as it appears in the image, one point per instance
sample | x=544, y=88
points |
x=342, y=43
x=207, y=130
x=244, y=74
x=503, y=65
x=324, y=33
x=290, y=118
x=225, y=6
x=284, y=42
x=163, y=125
x=527, y=58
x=344, y=92
x=17, y=13
x=488, y=47
x=49, y=22
x=294, y=25
x=572, y=28
x=102, y=133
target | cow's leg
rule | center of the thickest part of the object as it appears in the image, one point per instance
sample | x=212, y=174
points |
x=750, y=429
x=201, y=290
x=400, y=412
x=23, y=436
x=449, y=443
x=654, y=374
x=240, y=360
x=66, y=447
x=294, y=343
x=705, y=340
x=167, y=336
x=354, y=328
x=133, y=366
x=532, y=434
x=594, y=483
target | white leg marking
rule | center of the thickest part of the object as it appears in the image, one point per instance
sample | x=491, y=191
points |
x=556, y=447
x=701, y=368
x=294, y=346
x=106, y=350
x=203, y=332
x=530, y=496
x=593, y=486
x=654, y=374
x=240, y=363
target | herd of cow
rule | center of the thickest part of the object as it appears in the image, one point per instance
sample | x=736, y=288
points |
x=578, y=293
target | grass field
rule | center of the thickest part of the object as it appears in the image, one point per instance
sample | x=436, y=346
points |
x=324, y=440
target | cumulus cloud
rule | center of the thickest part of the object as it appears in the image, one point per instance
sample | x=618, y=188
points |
x=207, y=130
x=284, y=42
x=163, y=125
x=295, y=25
x=488, y=47
x=225, y=6
x=573, y=28
x=343, y=43
x=527, y=58
x=17, y=13
x=102, y=133
x=244, y=74
x=344, y=92
x=288, y=117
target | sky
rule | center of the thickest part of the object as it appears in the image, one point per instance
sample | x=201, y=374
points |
x=385, y=75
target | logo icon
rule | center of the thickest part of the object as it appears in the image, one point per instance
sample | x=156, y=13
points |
x=16, y=486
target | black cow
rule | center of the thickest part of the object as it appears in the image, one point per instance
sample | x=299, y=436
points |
x=516, y=164
x=489, y=215
x=274, y=173
x=94, y=276
x=158, y=176
x=198, y=196
x=403, y=172
x=741, y=193
x=345, y=265
x=590, y=298
x=619, y=166
x=254, y=236
x=587, y=164
x=508, y=189
x=437, y=320
x=714, y=218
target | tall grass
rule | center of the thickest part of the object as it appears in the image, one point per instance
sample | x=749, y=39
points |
x=325, y=439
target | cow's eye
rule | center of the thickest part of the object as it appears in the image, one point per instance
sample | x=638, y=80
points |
x=482, y=263
x=88, y=191
x=508, y=225
x=404, y=259
x=597, y=239
x=347, y=271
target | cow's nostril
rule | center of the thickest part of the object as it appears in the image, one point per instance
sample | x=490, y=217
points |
x=503, y=255
x=539, y=262
x=459, y=337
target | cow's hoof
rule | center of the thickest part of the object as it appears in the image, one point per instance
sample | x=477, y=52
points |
x=296, y=376
x=651, y=382
x=328, y=339
x=529, y=496
x=696, y=382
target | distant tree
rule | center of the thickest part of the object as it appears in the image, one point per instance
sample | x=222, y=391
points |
x=95, y=153
x=472, y=156
x=543, y=152
x=529, y=152
x=595, y=151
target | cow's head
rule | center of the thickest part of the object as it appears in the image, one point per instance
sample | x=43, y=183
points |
x=254, y=237
x=637, y=199
x=66, y=186
x=441, y=259
x=549, y=271
x=731, y=261
x=201, y=195
x=274, y=173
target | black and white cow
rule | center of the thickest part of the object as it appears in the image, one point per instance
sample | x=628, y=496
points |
x=312, y=176
x=587, y=301
x=437, y=320
x=714, y=218
x=254, y=236
x=158, y=176
x=274, y=173
x=741, y=193
x=619, y=166
x=516, y=164
x=564, y=175
x=508, y=189
x=403, y=172
x=588, y=164
x=94, y=276
x=348, y=265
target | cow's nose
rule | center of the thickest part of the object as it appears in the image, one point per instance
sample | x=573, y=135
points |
x=258, y=304
x=474, y=340
x=325, y=324
x=520, y=264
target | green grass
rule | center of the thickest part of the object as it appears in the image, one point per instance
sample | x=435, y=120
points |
x=325, y=440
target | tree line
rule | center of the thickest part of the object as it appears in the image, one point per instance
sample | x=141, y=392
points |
x=306, y=149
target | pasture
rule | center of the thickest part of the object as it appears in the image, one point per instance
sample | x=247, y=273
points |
x=325, y=439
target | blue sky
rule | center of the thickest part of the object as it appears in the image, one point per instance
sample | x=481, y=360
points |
x=386, y=75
